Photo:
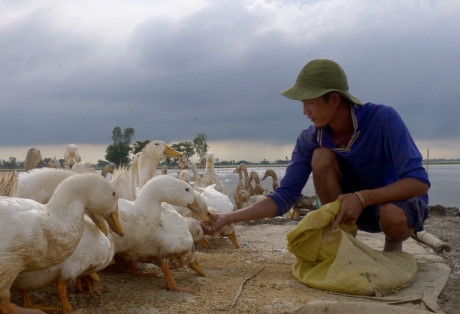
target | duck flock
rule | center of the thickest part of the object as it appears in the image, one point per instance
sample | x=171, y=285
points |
x=62, y=225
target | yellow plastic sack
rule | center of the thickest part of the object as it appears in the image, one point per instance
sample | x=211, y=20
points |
x=334, y=260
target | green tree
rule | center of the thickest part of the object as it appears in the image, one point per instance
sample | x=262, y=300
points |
x=200, y=145
x=101, y=163
x=125, y=137
x=264, y=162
x=118, y=152
x=128, y=135
x=12, y=163
x=186, y=148
x=139, y=146
x=46, y=160
x=117, y=136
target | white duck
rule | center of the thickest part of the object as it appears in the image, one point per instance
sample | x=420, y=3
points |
x=142, y=169
x=197, y=177
x=8, y=183
x=93, y=253
x=39, y=184
x=33, y=157
x=36, y=236
x=126, y=179
x=183, y=175
x=71, y=156
x=107, y=171
x=195, y=229
x=54, y=163
x=209, y=176
x=215, y=198
x=151, y=156
x=82, y=167
x=193, y=221
x=158, y=234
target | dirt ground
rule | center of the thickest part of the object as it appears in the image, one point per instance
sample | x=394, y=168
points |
x=256, y=278
x=444, y=223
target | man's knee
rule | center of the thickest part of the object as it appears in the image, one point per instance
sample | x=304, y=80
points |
x=393, y=222
x=323, y=158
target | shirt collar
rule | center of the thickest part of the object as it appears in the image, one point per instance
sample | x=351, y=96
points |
x=324, y=139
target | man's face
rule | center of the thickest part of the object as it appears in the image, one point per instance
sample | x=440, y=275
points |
x=320, y=112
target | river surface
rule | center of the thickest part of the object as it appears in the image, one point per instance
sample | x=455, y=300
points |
x=444, y=178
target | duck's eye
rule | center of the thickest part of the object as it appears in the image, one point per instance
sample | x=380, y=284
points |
x=113, y=193
x=187, y=189
x=156, y=144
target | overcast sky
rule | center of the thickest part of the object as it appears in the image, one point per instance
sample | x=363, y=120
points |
x=70, y=71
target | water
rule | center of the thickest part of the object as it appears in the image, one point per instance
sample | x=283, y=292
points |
x=445, y=182
x=445, y=185
x=229, y=178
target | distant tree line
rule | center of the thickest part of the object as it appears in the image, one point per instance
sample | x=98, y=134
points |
x=442, y=161
x=13, y=163
x=119, y=152
x=122, y=151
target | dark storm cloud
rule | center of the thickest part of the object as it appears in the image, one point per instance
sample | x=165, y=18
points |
x=218, y=69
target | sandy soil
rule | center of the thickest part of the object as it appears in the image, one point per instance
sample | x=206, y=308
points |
x=444, y=223
x=254, y=278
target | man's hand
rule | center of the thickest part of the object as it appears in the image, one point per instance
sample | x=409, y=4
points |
x=350, y=209
x=218, y=223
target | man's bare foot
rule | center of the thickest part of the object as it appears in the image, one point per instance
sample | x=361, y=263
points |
x=392, y=246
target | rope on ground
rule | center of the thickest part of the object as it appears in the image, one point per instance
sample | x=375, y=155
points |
x=240, y=288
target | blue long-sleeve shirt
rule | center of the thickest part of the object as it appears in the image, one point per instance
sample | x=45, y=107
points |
x=381, y=151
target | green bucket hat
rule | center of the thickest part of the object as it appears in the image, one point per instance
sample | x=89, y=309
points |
x=318, y=77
